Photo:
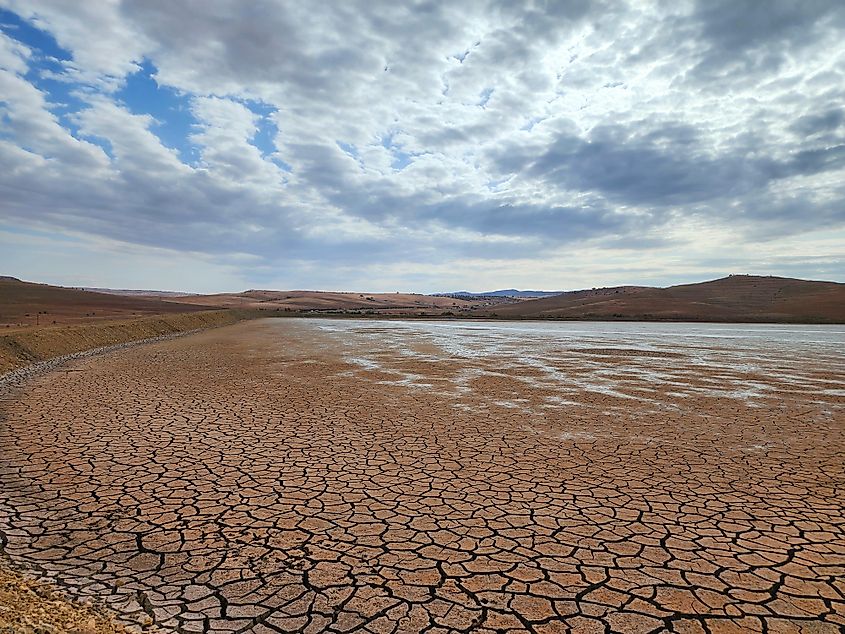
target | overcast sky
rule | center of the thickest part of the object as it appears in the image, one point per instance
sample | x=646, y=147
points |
x=211, y=145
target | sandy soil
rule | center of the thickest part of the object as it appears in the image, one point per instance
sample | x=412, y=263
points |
x=274, y=476
x=30, y=607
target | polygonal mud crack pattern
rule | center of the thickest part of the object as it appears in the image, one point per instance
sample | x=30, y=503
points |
x=244, y=480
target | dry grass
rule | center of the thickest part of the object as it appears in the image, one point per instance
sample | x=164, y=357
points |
x=33, y=607
x=22, y=347
x=22, y=304
x=297, y=301
x=739, y=298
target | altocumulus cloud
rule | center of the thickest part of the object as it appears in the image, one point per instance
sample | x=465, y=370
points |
x=394, y=145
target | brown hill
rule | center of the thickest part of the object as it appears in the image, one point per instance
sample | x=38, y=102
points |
x=737, y=298
x=136, y=292
x=306, y=301
x=25, y=303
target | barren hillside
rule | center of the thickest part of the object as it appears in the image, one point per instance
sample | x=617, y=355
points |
x=296, y=301
x=27, y=303
x=734, y=298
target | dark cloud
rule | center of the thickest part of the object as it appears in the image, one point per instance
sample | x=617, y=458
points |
x=663, y=167
x=758, y=37
x=808, y=162
x=821, y=123
x=670, y=166
x=553, y=223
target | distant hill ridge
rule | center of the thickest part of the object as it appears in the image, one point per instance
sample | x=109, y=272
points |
x=130, y=292
x=736, y=298
x=508, y=292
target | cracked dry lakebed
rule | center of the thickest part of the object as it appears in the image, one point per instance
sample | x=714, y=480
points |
x=317, y=475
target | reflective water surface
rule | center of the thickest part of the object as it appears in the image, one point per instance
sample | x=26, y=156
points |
x=632, y=360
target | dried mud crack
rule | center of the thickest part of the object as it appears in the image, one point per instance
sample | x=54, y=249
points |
x=269, y=477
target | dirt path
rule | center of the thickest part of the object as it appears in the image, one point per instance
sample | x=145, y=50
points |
x=255, y=478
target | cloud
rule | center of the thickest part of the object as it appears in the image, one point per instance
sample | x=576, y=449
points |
x=821, y=123
x=103, y=43
x=13, y=55
x=370, y=133
x=753, y=37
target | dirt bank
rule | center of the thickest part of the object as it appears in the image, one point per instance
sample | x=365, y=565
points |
x=25, y=347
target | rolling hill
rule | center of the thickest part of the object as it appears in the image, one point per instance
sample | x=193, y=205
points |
x=27, y=303
x=737, y=298
x=316, y=301
x=506, y=292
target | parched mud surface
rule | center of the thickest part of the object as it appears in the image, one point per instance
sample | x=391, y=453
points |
x=320, y=476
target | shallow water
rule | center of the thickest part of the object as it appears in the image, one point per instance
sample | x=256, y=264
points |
x=628, y=360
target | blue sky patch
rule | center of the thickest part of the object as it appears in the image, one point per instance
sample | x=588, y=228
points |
x=142, y=94
x=401, y=159
x=265, y=136
x=484, y=97
x=22, y=31
x=47, y=64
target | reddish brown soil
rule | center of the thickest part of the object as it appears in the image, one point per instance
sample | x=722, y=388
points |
x=251, y=479
x=735, y=298
x=23, y=347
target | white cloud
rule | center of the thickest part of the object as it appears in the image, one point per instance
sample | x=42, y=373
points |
x=227, y=128
x=103, y=42
x=13, y=55
x=436, y=136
